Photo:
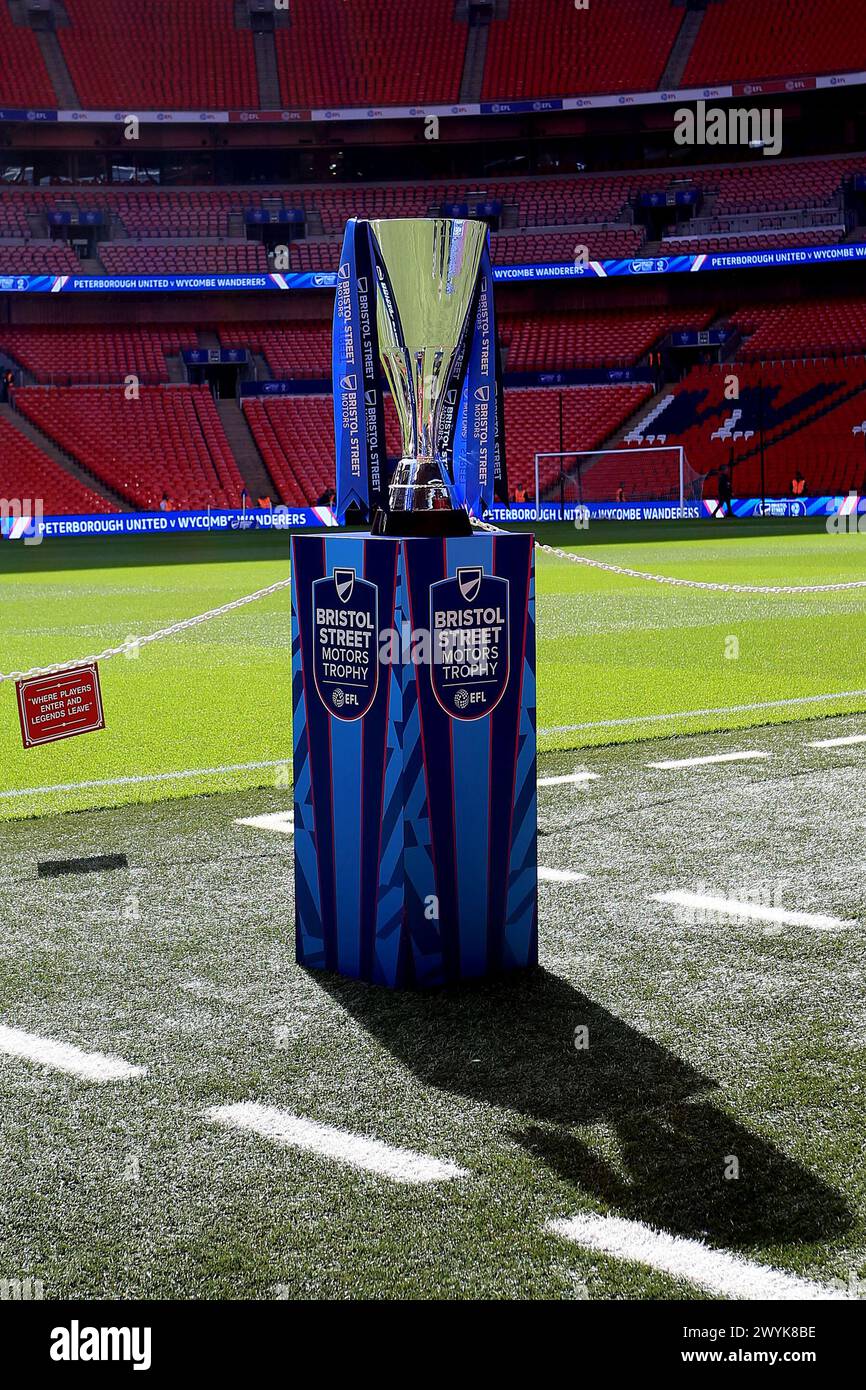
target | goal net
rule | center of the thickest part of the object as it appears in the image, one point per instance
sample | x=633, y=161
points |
x=655, y=473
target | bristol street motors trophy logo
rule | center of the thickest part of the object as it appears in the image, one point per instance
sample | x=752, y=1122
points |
x=470, y=628
x=345, y=643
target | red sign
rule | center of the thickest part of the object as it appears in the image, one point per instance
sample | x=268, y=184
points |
x=60, y=706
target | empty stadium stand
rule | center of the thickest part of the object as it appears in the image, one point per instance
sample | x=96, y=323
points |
x=292, y=350
x=746, y=241
x=202, y=54
x=363, y=53
x=64, y=355
x=579, y=417
x=812, y=327
x=181, y=55
x=37, y=258
x=159, y=230
x=177, y=258
x=24, y=79
x=170, y=441
x=546, y=48
x=777, y=38
x=806, y=410
x=531, y=342
x=537, y=342
x=28, y=473
x=295, y=436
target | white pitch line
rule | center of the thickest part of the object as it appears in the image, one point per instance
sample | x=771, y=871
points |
x=702, y=713
x=717, y=1271
x=281, y=821
x=732, y=907
x=354, y=1150
x=90, y=1066
x=567, y=777
x=837, y=742
x=560, y=875
x=711, y=758
x=148, y=777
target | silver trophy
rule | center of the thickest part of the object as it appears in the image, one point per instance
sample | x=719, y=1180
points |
x=427, y=271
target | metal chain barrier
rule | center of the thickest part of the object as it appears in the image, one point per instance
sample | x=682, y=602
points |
x=682, y=583
x=132, y=644
x=186, y=623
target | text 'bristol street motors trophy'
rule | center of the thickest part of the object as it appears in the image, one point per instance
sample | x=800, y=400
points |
x=413, y=644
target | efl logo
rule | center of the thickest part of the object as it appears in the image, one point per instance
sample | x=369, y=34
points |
x=470, y=624
x=346, y=643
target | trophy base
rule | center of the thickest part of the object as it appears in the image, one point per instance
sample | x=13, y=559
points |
x=440, y=521
x=411, y=788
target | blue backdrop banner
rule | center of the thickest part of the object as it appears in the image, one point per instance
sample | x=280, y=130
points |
x=326, y=280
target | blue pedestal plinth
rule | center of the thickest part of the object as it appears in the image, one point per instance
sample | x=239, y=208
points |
x=413, y=675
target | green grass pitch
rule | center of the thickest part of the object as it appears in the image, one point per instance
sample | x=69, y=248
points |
x=707, y=1040
x=613, y=653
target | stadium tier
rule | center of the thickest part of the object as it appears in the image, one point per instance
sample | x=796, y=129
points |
x=745, y=241
x=169, y=440
x=546, y=48
x=28, y=473
x=147, y=230
x=177, y=54
x=531, y=341
x=174, y=258
x=807, y=413
x=777, y=38
x=338, y=54
x=64, y=355
x=202, y=54
x=295, y=435
x=300, y=348
x=820, y=326
x=537, y=342
x=174, y=438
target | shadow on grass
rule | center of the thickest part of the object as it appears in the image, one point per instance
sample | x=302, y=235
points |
x=510, y=1043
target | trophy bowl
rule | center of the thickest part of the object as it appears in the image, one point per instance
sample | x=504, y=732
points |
x=427, y=273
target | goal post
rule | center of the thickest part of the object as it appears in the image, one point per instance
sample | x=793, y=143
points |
x=651, y=473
